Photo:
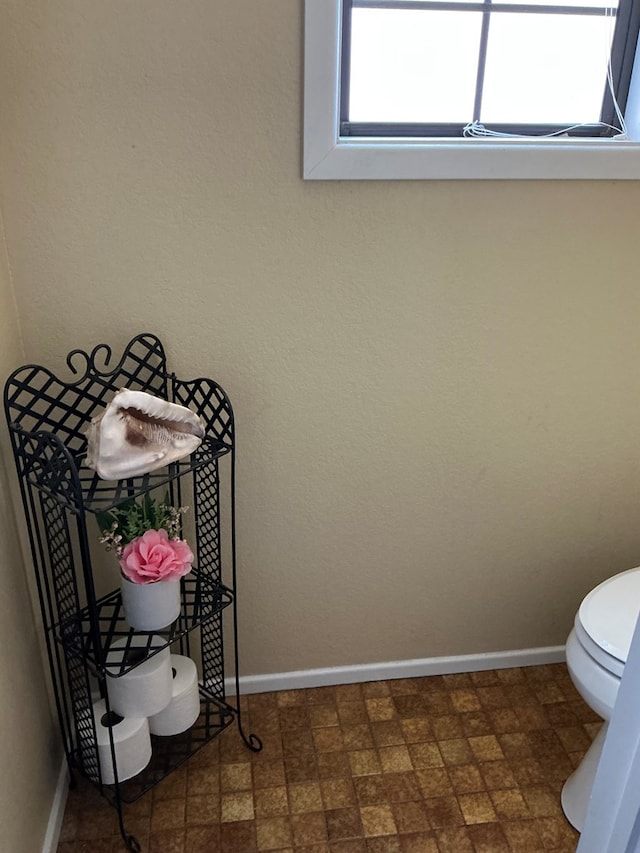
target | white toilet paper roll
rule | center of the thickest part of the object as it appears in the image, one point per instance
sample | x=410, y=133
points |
x=131, y=741
x=142, y=691
x=184, y=708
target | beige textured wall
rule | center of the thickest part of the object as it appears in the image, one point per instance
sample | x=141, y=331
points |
x=436, y=383
x=29, y=751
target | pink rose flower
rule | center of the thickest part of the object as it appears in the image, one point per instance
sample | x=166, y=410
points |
x=154, y=557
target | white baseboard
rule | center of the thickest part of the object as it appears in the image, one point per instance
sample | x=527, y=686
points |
x=395, y=669
x=56, y=815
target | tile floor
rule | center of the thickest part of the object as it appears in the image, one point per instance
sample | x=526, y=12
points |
x=467, y=763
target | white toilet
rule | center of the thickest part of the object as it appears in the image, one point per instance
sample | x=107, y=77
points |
x=597, y=651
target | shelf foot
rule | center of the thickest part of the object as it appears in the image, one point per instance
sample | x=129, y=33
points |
x=252, y=742
x=132, y=843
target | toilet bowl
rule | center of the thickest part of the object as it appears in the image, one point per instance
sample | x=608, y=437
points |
x=597, y=650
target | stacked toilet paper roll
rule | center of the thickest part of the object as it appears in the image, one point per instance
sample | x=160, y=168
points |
x=184, y=707
x=158, y=696
x=131, y=742
x=144, y=690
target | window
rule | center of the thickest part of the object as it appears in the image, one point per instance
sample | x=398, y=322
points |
x=410, y=88
x=444, y=67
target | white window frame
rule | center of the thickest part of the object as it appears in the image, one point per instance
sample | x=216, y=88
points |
x=328, y=156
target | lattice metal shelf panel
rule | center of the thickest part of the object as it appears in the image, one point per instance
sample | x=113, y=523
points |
x=202, y=599
x=99, y=495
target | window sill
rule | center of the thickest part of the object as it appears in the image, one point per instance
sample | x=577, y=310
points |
x=447, y=159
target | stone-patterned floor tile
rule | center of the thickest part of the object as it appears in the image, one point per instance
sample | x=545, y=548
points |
x=460, y=763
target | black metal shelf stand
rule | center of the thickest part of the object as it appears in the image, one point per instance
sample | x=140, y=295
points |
x=47, y=418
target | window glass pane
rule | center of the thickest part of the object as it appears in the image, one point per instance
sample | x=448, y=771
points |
x=547, y=69
x=389, y=4
x=592, y=4
x=379, y=4
x=413, y=66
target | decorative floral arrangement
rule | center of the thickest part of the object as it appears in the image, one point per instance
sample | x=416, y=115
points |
x=145, y=536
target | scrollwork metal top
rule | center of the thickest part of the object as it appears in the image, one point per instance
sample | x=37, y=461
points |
x=48, y=416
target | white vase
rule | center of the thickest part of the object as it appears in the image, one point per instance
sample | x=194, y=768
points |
x=150, y=606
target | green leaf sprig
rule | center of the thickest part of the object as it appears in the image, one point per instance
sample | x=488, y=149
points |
x=130, y=519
